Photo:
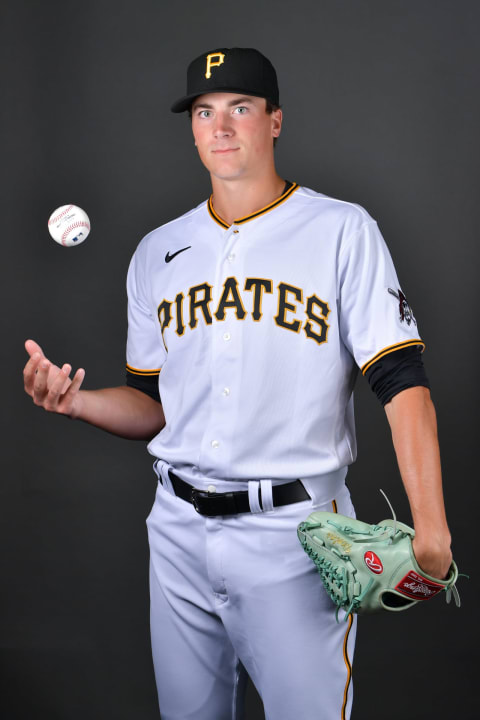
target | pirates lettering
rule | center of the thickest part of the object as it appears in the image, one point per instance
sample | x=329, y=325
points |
x=294, y=313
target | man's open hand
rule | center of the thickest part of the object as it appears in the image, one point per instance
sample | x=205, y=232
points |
x=50, y=386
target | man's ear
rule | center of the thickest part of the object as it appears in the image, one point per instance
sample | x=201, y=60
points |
x=277, y=118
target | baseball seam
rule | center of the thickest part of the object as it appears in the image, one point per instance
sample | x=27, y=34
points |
x=60, y=215
x=80, y=223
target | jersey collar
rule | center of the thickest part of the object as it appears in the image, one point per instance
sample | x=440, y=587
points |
x=289, y=190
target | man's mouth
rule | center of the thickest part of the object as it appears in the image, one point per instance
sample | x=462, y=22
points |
x=224, y=151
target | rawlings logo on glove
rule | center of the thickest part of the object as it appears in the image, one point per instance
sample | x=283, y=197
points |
x=373, y=562
x=360, y=579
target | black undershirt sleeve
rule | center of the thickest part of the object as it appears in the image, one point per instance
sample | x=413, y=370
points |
x=146, y=383
x=397, y=371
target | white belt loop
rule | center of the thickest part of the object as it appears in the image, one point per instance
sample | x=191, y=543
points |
x=253, y=499
x=161, y=469
x=266, y=495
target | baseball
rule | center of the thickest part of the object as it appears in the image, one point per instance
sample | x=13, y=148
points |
x=69, y=225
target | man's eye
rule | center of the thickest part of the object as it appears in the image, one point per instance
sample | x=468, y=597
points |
x=204, y=113
x=240, y=110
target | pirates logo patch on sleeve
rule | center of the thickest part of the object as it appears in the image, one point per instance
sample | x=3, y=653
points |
x=404, y=309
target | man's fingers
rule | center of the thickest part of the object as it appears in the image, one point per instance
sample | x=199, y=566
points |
x=29, y=372
x=48, y=385
x=40, y=381
x=60, y=382
x=65, y=377
x=71, y=398
x=76, y=382
x=33, y=347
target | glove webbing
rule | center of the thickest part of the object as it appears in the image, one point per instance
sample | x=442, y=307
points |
x=335, y=580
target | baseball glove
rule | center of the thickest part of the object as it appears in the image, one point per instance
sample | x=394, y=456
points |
x=366, y=568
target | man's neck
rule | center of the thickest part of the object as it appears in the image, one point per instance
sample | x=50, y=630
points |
x=235, y=199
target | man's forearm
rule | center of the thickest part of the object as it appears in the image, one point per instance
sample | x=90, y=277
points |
x=414, y=432
x=123, y=411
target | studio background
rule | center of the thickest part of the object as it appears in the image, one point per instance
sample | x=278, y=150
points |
x=380, y=101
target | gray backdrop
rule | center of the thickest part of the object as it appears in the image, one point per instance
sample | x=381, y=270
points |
x=381, y=108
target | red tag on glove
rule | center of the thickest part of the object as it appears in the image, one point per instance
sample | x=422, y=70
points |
x=417, y=587
x=373, y=562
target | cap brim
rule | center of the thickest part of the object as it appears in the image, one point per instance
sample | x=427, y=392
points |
x=185, y=102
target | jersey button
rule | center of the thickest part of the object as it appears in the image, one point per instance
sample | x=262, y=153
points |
x=231, y=257
x=236, y=232
x=211, y=489
x=226, y=336
x=215, y=444
x=226, y=391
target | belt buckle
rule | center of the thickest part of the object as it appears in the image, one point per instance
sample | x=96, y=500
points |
x=195, y=494
x=213, y=504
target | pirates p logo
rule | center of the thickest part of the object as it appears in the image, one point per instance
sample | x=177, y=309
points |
x=213, y=60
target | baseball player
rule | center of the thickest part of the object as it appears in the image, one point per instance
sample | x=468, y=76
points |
x=249, y=317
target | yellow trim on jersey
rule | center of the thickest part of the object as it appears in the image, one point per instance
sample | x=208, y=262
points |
x=214, y=215
x=144, y=373
x=334, y=506
x=267, y=208
x=348, y=664
x=390, y=349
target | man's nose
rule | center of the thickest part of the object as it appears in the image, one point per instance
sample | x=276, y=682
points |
x=223, y=127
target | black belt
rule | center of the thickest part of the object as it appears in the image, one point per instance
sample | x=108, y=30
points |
x=231, y=503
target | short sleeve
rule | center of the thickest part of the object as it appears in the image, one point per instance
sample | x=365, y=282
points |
x=145, y=349
x=375, y=317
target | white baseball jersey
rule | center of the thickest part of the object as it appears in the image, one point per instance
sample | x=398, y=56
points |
x=256, y=331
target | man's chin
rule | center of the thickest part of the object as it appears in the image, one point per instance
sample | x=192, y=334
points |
x=227, y=175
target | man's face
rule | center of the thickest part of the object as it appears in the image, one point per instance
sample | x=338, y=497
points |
x=234, y=134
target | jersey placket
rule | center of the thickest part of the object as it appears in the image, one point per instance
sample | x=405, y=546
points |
x=225, y=362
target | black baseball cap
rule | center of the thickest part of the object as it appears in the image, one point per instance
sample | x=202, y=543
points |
x=235, y=70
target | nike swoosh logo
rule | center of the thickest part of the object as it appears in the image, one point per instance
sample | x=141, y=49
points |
x=169, y=257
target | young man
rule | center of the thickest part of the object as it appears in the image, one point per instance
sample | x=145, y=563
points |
x=248, y=319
